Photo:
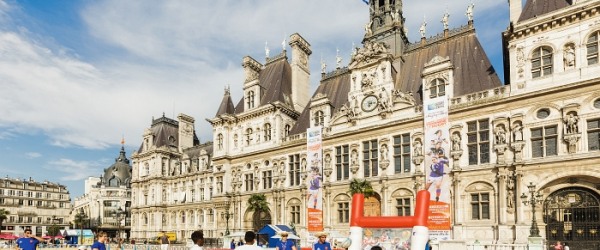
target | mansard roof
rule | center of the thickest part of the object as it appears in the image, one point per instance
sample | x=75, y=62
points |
x=165, y=132
x=195, y=151
x=534, y=8
x=275, y=81
x=335, y=88
x=473, y=71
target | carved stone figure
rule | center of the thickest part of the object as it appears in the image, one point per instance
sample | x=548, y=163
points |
x=384, y=101
x=267, y=50
x=455, y=142
x=384, y=152
x=517, y=132
x=367, y=80
x=500, y=135
x=510, y=193
x=354, y=157
x=469, y=13
x=423, y=28
x=417, y=148
x=569, y=57
x=368, y=30
x=445, y=20
x=571, y=123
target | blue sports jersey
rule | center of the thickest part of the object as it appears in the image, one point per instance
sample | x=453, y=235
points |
x=27, y=243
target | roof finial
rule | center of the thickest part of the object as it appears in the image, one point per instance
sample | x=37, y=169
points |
x=266, y=49
x=338, y=59
x=469, y=13
x=227, y=91
x=283, y=44
x=423, y=28
x=445, y=19
x=323, y=65
x=122, y=140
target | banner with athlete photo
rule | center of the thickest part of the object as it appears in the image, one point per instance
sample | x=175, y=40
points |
x=437, y=181
x=314, y=179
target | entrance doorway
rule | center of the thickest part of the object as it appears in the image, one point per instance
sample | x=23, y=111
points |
x=572, y=215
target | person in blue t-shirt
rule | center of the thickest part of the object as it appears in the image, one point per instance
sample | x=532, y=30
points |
x=29, y=241
x=285, y=243
x=322, y=244
x=100, y=244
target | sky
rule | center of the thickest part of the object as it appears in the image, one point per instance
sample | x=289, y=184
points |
x=78, y=76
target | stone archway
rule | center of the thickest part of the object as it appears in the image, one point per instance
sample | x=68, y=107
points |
x=572, y=215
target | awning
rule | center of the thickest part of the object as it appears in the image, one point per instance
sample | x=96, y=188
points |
x=8, y=236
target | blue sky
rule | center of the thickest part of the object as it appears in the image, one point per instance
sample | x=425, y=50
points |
x=78, y=75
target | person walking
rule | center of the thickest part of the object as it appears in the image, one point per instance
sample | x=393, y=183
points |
x=100, y=243
x=321, y=244
x=285, y=243
x=29, y=241
x=164, y=241
x=249, y=238
x=232, y=244
x=198, y=239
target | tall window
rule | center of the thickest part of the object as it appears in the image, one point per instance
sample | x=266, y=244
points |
x=249, y=136
x=249, y=180
x=219, y=181
x=342, y=166
x=295, y=214
x=402, y=153
x=267, y=131
x=593, y=134
x=294, y=170
x=201, y=189
x=437, y=88
x=220, y=141
x=250, y=99
x=370, y=163
x=478, y=142
x=319, y=118
x=592, y=48
x=541, y=62
x=480, y=206
x=403, y=206
x=267, y=179
x=343, y=212
x=286, y=130
x=544, y=141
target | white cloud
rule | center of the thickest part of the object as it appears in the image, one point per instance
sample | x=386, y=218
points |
x=173, y=57
x=75, y=170
x=32, y=155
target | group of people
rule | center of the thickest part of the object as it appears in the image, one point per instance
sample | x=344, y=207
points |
x=30, y=241
x=284, y=243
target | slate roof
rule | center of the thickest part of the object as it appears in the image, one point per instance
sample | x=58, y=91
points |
x=473, y=71
x=164, y=128
x=336, y=89
x=534, y=8
x=275, y=81
x=226, y=106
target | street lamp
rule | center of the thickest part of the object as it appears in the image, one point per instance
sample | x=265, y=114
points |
x=227, y=214
x=534, y=198
x=120, y=215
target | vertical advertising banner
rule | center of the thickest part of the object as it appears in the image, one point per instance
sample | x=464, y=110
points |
x=314, y=179
x=437, y=181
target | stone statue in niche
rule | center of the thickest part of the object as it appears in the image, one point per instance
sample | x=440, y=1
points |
x=417, y=148
x=517, y=131
x=455, y=142
x=500, y=135
x=569, y=56
x=510, y=192
x=354, y=157
x=384, y=101
x=384, y=152
x=571, y=123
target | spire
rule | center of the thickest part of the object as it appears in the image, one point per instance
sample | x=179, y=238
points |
x=122, y=157
x=226, y=106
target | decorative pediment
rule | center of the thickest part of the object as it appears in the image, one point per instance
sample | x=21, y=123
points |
x=370, y=53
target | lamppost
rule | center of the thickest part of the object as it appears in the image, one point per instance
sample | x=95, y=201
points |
x=534, y=198
x=52, y=230
x=227, y=214
x=120, y=215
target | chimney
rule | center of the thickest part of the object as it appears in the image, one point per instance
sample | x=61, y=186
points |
x=186, y=131
x=300, y=71
x=516, y=7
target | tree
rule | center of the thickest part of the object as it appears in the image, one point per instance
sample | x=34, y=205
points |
x=53, y=230
x=3, y=216
x=358, y=186
x=259, y=205
x=80, y=219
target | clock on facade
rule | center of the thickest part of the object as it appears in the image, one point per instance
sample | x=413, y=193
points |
x=369, y=103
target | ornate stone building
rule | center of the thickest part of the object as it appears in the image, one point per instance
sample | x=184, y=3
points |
x=35, y=205
x=106, y=202
x=539, y=129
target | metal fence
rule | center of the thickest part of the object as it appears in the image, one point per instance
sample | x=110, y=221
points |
x=490, y=246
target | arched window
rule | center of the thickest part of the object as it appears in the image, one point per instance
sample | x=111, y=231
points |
x=319, y=118
x=541, y=62
x=592, y=48
x=437, y=88
x=267, y=131
x=220, y=141
x=250, y=99
x=249, y=136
